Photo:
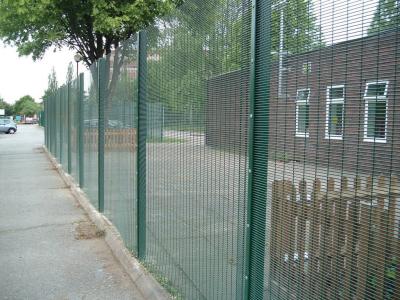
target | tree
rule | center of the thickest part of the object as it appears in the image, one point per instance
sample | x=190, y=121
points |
x=7, y=107
x=301, y=33
x=70, y=73
x=202, y=39
x=27, y=106
x=93, y=28
x=387, y=16
x=52, y=84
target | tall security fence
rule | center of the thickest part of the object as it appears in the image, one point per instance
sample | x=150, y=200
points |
x=247, y=149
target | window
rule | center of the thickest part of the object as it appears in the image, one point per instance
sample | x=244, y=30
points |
x=334, y=112
x=302, y=113
x=306, y=68
x=375, y=118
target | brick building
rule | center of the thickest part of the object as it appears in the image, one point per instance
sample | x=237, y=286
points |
x=339, y=105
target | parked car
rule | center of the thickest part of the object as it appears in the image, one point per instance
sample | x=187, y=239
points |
x=29, y=120
x=8, y=126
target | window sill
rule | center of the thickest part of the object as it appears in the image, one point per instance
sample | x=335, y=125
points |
x=302, y=135
x=371, y=140
x=333, y=137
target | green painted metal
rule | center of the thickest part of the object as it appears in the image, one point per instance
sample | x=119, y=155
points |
x=102, y=83
x=52, y=127
x=49, y=123
x=69, y=125
x=120, y=153
x=81, y=128
x=60, y=125
x=246, y=290
x=141, y=142
x=186, y=173
x=45, y=115
x=258, y=134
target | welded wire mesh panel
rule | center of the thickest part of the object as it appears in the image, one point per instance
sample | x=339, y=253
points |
x=52, y=125
x=74, y=117
x=196, y=148
x=120, y=141
x=91, y=134
x=333, y=201
x=64, y=126
x=57, y=121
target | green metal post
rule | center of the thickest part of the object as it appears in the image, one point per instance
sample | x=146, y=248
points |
x=102, y=71
x=59, y=133
x=55, y=130
x=44, y=124
x=257, y=149
x=60, y=121
x=53, y=124
x=50, y=122
x=81, y=130
x=141, y=142
x=69, y=123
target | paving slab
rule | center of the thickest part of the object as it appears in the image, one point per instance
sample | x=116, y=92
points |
x=48, y=247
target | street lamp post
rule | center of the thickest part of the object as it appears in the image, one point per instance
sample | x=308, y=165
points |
x=77, y=59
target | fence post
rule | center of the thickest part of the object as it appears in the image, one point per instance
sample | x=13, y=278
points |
x=258, y=135
x=81, y=129
x=53, y=125
x=101, y=127
x=69, y=127
x=50, y=123
x=56, y=124
x=55, y=130
x=60, y=137
x=141, y=142
x=44, y=124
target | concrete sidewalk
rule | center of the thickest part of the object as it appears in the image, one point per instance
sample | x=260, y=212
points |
x=48, y=247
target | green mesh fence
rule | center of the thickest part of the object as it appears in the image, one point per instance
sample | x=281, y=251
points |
x=247, y=149
x=90, y=132
x=120, y=192
x=64, y=126
x=74, y=128
x=196, y=192
x=333, y=214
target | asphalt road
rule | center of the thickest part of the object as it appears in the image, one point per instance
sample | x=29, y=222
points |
x=48, y=248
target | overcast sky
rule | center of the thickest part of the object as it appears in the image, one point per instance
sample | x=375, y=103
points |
x=340, y=20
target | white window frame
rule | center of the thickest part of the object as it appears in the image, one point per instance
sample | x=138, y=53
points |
x=307, y=102
x=333, y=101
x=377, y=99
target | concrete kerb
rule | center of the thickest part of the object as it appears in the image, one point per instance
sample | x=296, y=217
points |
x=142, y=279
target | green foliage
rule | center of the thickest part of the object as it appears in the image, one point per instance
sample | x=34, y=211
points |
x=164, y=281
x=387, y=16
x=52, y=84
x=26, y=106
x=202, y=39
x=89, y=27
x=70, y=73
x=301, y=33
x=9, y=110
